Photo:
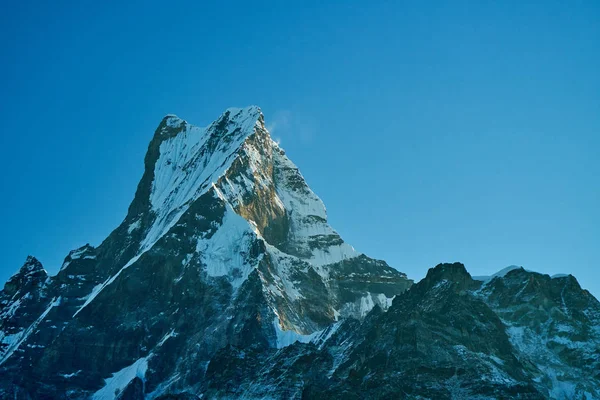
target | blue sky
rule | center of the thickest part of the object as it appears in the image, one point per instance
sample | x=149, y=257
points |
x=452, y=131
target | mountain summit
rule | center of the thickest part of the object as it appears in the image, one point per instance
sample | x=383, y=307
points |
x=223, y=245
x=225, y=281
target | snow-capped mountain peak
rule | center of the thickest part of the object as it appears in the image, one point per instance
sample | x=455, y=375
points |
x=224, y=240
x=190, y=159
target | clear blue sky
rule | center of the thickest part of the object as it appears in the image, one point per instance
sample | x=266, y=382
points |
x=456, y=131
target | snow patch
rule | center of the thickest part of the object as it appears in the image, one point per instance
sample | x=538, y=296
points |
x=384, y=301
x=67, y=376
x=226, y=252
x=166, y=337
x=134, y=226
x=289, y=337
x=285, y=266
x=366, y=305
x=328, y=333
x=121, y=379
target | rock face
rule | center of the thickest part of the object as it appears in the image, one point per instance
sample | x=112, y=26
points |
x=226, y=281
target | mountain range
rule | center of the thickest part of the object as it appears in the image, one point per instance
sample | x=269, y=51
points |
x=226, y=281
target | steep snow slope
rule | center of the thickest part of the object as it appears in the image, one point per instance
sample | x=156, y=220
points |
x=190, y=162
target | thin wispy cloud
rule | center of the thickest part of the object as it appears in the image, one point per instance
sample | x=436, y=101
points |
x=285, y=123
x=279, y=123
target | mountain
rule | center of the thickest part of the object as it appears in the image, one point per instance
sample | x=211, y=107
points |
x=225, y=280
x=223, y=244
